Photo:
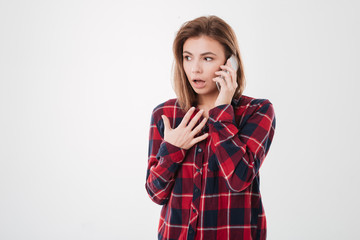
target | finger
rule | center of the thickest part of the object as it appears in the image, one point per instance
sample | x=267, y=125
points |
x=227, y=68
x=223, y=74
x=187, y=116
x=231, y=72
x=200, y=138
x=199, y=127
x=166, y=122
x=195, y=119
x=229, y=63
x=220, y=80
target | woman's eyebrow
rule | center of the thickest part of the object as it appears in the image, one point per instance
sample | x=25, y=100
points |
x=202, y=54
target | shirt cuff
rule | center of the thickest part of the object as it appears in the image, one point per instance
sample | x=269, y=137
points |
x=222, y=124
x=222, y=113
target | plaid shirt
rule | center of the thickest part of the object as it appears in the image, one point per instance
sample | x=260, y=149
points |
x=211, y=191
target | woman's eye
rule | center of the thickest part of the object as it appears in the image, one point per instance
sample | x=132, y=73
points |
x=208, y=59
x=187, y=58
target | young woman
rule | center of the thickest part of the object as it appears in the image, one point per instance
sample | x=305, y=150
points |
x=207, y=145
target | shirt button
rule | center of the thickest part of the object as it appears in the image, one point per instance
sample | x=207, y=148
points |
x=194, y=211
x=199, y=150
x=196, y=190
x=191, y=231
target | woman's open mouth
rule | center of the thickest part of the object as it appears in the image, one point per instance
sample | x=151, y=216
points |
x=198, y=83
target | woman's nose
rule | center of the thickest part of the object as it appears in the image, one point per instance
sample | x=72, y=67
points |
x=196, y=67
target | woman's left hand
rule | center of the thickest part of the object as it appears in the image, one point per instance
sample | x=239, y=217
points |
x=228, y=83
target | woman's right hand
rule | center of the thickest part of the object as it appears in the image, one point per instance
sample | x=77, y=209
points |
x=184, y=135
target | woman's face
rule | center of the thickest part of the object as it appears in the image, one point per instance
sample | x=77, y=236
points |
x=202, y=57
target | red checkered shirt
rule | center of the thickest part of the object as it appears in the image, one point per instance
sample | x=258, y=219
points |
x=211, y=191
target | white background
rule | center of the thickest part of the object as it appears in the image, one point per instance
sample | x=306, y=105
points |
x=78, y=82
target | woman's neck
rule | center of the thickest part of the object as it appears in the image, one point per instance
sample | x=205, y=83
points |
x=207, y=101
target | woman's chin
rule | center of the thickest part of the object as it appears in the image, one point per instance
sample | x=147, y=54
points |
x=206, y=91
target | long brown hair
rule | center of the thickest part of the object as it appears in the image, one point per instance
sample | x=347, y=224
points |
x=216, y=28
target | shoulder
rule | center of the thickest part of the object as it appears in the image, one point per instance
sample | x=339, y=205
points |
x=166, y=107
x=170, y=108
x=247, y=107
x=250, y=102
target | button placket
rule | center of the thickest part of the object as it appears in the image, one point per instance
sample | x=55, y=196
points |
x=198, y=161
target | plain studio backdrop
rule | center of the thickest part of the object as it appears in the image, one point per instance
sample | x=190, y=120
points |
x=78, y=83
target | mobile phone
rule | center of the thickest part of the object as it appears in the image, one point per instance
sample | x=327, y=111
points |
x=234, y=65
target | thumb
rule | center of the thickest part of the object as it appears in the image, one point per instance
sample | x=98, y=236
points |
x=166, y=122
